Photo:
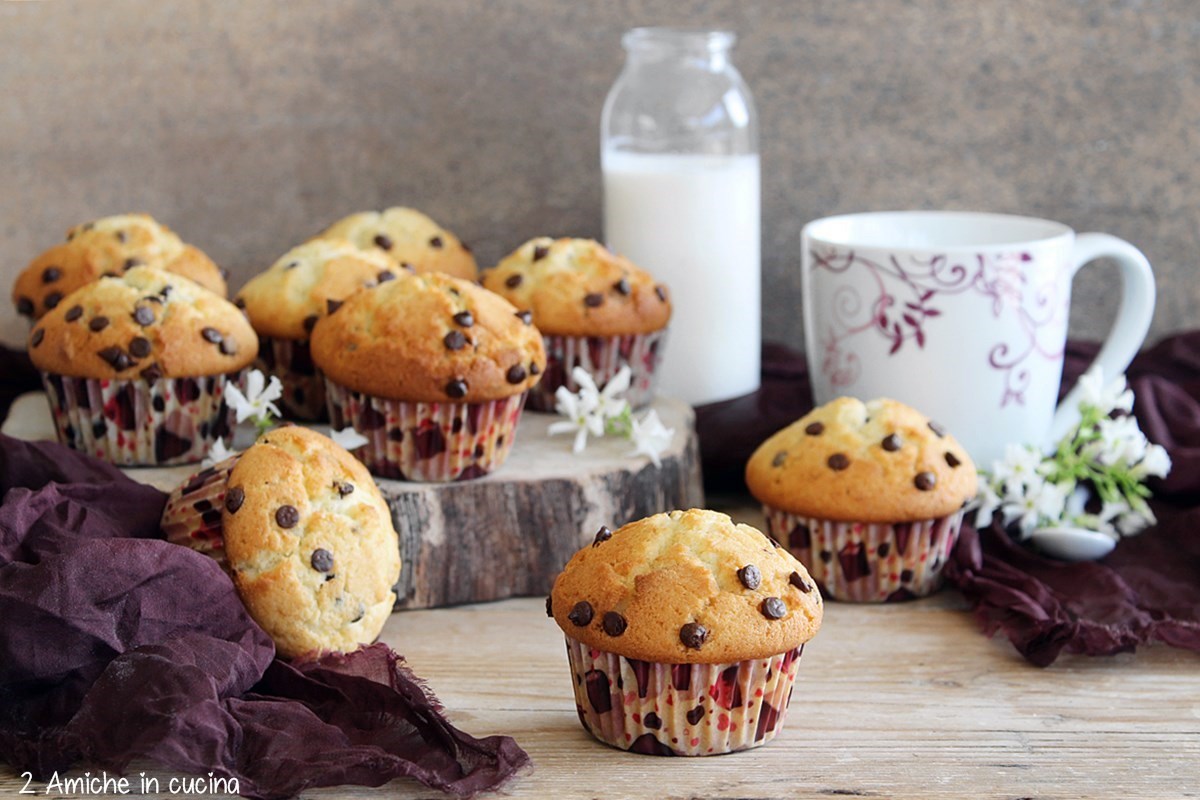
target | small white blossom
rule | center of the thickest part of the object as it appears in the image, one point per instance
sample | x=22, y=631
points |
x=1038, y=505
x=1019, y=468
x=988, y=501
x=1115, y=396
x=1155, y=463
x=348, y=438
x=650, y=436
x=580, y=412
x=257, y=402
x=1121, y=442
x=217, y=453
x=606, y=402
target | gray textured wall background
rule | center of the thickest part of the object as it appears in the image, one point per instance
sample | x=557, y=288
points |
x=249, y=126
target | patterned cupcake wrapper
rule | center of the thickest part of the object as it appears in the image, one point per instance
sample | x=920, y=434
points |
x=603, y=357
x=436, y=442
x=869, y=562
x=303, y=384
x=192, y=516
x=681, y=709
x=141, y=422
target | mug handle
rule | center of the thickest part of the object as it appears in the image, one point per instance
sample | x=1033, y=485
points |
x=1132, y=322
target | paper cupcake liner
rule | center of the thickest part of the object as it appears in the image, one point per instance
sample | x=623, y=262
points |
x=603, y=357
x=436, y=442
x=141, y=422
x=192, y=516
x=303, y=384
x=681, y=709
x=869, y=562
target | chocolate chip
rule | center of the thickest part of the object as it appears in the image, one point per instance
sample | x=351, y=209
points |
x=140, y=347
x=815, y=428
x=456, y=388
x=795, y=580
x=51, y=274
x=234, y=499
x=130, y=263
x=952, y=459
x=540, y=251
x=98, y=324
x=614, y=624
x=602, y=535
x=534, y=369
x=693, y=635
x=287, y=516
x=165, y=291
x=25, y=306
x=310, y=322
x=750, y=577
x=549, y=606
x=407, y=266
x=435, y=242
x=321, y=560
x=925, y=481
x=652, y=721
x=143, y=315
x=464, y=318
x=383, y=241
x=513, y=281
x=117, y=358
x=152, y=373
x=661, y=291
x=695, y=715
x=213, y=336
x=291, y=265
x=385, y=275
x=344, y=488
x=779, y=459
x=891, y=443
x=593, y=300
x=53, y=299
x=773, y=608
x=516, y=373
x=454, y=340
x=228, y=347
x=237, y=301
x=74, y=313
x=936, y=428
x=838, y=462
x=332, y=305
x=525, y=316
x=581, y=615
x=121, y=236
x=38, y=335
x=622, y=287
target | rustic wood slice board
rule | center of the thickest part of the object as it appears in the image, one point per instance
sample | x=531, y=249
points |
x=507, y=534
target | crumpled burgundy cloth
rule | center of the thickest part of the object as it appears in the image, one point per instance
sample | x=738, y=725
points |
x=1148, y=589
x=116, y=645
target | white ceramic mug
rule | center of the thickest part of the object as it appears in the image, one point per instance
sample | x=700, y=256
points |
x=962, y=316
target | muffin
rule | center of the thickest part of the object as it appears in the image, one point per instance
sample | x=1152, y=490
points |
x=870, y=495
x=135, y=367
x=433, y=371
x=411, y=239
x=596, y=310
x=109, y=247
x=285, y=302
x=684, y=633
x=305, y=534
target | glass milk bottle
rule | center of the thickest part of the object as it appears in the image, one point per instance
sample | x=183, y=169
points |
x=679, y=151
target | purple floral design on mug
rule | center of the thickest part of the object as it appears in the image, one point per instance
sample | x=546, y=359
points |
x=905, y=304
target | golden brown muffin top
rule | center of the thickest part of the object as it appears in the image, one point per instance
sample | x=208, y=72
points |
x=410, y=238
x=429, y=338
x=850, y=461
x=287, y=300
x=688, y=587
x=310, y=543
x=108, y=247
x=147, y=323
x=577, y=287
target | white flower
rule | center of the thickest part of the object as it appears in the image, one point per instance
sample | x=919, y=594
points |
x=1136, y=519
x=1019, y=468
x=987, y=500
x=258, y=401
x=1115, y=396
x=605, y=402
x=1044, y=502
x=580, y=412
x=650, y=436
x=1121, y=443
x=217, y=453
x=1154, y=463
x=348, y=438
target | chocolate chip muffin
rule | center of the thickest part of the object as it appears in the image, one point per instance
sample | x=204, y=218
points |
x=412, y=240
x=136, y=366
x=109, y=247
x=871, y=495
x=433, y=370
x=285, y=302
x=684, y=632
x=596, y=309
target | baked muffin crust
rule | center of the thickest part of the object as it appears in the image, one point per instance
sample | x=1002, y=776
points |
x=411, y=239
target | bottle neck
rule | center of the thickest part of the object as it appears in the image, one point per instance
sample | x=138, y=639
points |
x=646, y=47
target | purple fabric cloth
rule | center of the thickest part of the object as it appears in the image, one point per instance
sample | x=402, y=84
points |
x=116, y=645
